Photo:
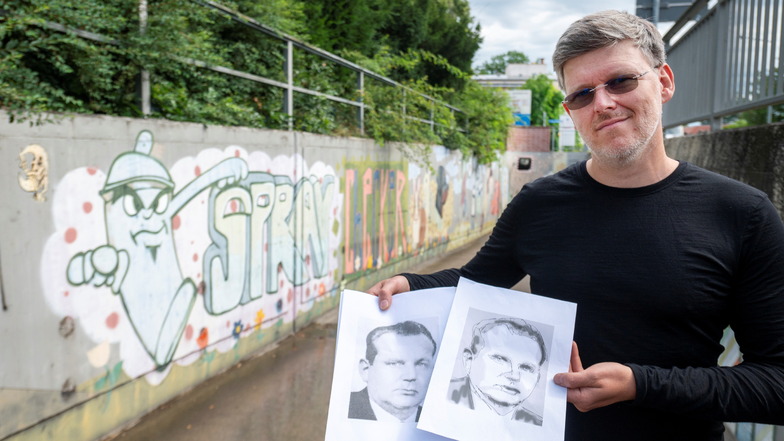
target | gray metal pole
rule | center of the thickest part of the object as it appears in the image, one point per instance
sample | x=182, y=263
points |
x=361, y=109
x=656, y=12
x=289, y=104
x=145, y=74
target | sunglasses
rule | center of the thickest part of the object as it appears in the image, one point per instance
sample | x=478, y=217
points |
x=617, y=86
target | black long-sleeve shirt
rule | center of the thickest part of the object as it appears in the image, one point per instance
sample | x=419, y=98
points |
x=657, y=273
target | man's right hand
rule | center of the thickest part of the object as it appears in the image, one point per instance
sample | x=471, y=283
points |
x=385, y=289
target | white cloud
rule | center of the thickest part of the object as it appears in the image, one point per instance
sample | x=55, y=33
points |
x=531, y=26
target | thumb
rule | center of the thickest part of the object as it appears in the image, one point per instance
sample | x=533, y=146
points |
x=575, y=364
x=384, y=300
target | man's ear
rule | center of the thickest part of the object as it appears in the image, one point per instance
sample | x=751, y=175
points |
x=468, y=357
x=667, y=80
x=364, y=365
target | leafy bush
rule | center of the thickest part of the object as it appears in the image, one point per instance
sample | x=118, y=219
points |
x=60, y=56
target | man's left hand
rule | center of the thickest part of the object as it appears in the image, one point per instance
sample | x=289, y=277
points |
x=600, y=385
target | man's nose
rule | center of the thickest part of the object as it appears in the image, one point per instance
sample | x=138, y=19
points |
x=146, y=212
x=409, y=372
x=602, y=99
x=513, y=373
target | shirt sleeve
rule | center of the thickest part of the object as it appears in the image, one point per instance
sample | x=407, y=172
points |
x=754, y=389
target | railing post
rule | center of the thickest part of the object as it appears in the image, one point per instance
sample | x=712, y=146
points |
x=432, y=116
x=361, y=109
x=715, y=123
x=405, y=114
x=145, y=74
x=2, y=292
x=289, y=100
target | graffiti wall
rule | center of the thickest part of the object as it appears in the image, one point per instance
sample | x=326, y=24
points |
x=399, y=210
x=165, y=262
x=143, y=257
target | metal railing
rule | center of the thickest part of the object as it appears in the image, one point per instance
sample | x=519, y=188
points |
x=727, y=62
x=288, y=86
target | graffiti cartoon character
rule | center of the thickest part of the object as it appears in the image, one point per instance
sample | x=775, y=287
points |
x=139, y=261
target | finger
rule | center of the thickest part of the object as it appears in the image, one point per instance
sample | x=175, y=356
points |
x=571, y=379
x=385, y=289
x=575, y=364
x=579, y=399
x=122, y=269
x=384, y=301
x=381, y=290
x=376, y=289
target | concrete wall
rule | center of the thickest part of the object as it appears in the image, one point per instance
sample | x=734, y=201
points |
x=140, y=257
x=755, y=156
x=752, y=155
x=542, y=164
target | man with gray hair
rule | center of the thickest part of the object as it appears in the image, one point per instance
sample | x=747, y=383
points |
x=659, y=255
x=503, y=365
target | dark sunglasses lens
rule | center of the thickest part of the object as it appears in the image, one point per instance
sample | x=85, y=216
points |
x=580, y=99
x=622, y=85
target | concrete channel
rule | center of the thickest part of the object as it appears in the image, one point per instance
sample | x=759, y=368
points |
x=279, y=395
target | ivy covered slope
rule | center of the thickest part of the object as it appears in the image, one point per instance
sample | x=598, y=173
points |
x=86, y=56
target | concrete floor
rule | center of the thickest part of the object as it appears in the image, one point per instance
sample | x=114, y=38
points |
x=281, y=395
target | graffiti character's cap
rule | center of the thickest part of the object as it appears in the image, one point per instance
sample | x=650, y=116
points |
x=137, y=166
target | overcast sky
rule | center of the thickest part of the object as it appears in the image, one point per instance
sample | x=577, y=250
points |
x=531, y=26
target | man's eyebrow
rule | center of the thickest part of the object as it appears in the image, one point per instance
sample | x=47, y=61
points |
x=528, y=366
x=122, y=190
x=499, y=355
x=164, y=191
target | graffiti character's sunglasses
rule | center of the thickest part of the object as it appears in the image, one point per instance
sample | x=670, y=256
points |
x=616, y=86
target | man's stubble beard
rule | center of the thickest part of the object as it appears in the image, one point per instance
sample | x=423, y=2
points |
x=628, y=155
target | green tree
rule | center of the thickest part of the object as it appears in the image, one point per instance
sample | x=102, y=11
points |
x=545, y=99
x=489, y=116
x=756, y=117
x=350, y=25
x=287, y=16
x=441, y=27
x=497, y=64
x=481, y=128
x=452, y=34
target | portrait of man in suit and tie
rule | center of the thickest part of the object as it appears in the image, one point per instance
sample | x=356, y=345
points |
x=503, y=365
x=396, y=369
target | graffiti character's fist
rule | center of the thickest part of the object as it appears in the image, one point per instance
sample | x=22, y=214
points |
x=235, y=170
x=104, y=265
